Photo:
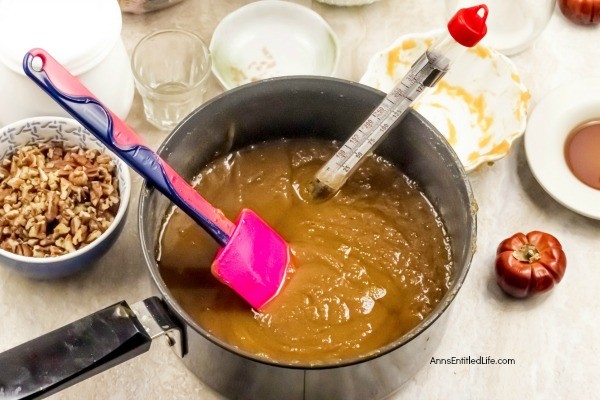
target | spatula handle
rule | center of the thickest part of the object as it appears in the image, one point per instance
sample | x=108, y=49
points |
x=78, y=101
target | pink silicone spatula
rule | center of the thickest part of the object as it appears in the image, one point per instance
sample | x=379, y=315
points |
x=253, y=259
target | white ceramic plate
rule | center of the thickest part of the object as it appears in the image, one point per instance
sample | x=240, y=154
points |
x=549, y=125
x=271, y=38
x=480, y=106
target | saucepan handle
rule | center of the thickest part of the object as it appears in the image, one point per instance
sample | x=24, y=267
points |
x=83, y=348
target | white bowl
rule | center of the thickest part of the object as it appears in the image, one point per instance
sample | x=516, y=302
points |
x=68, y=132
x=480, y=106
x=84, y=36
x=272, y=38
x=549, y=125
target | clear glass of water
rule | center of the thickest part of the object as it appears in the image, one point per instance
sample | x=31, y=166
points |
x=171, y=69
x=512, y=24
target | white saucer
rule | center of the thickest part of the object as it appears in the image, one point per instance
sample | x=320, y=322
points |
x=547, y=129
x=272, y=38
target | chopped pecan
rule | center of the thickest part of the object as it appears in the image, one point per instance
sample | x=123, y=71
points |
x=55, y=200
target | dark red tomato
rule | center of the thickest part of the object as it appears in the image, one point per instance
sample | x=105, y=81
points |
x=584, y=12
x=529, y=264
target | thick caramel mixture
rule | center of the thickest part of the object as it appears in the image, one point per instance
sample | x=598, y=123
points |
x=370, y=263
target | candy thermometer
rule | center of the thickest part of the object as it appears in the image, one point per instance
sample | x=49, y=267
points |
x=465, y=29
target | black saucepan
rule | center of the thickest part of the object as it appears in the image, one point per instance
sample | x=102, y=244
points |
x=284, y=107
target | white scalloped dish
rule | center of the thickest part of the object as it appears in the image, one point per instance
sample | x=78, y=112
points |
x=272, y=38
x=480, y=106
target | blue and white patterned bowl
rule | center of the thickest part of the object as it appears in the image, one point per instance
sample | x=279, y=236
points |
x=70, y=133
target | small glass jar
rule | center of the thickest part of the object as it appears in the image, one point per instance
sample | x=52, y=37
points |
x=512, y=24
x=171, y=69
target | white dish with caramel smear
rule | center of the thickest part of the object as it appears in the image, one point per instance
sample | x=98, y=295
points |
x=480, y=105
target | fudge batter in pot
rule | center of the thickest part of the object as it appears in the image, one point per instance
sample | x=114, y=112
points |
x=369, y=264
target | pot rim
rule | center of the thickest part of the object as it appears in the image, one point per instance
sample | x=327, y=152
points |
x=402, y=340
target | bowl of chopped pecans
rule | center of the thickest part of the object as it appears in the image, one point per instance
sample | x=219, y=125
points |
x=63, y=197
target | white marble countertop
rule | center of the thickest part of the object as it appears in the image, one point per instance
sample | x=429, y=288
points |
x=553, y=338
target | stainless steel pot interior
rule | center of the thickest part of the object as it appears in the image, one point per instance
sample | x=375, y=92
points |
x=325, y=108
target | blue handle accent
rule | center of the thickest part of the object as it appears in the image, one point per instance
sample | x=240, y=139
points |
x=96, y=119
